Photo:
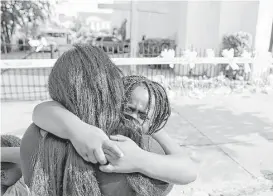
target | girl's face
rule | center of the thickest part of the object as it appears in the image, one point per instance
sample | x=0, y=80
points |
x=137, y=107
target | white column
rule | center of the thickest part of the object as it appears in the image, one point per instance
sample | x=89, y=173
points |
x=134, y=28
x=134, y=32
x=264, y=25
x=263, y=36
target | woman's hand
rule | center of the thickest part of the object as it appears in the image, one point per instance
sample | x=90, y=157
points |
x=91, y=143
x=129, y=162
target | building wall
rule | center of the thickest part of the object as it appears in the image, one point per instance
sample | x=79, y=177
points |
x=202, y=24
x=154, y=24
x=191, y=23
x=118, y=17
x=264, y=26
x=238, y=16
x=208, y=21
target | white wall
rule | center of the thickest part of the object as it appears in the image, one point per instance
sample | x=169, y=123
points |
x=264, y=25
x=200, y=24
x=208, y=21
x=238, y=16
x=153, y=25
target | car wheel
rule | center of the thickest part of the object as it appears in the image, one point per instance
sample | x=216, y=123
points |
x=126, y=49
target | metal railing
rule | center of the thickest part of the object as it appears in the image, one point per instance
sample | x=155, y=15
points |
x=27, y=79
x=52, y=52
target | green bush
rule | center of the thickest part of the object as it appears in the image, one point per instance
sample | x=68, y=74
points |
x=239, y=41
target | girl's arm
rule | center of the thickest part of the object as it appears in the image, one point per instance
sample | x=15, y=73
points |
x=89, y=141
x=10, y=154
x=174, y=167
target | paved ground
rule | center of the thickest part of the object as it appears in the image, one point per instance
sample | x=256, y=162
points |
x=230, y=136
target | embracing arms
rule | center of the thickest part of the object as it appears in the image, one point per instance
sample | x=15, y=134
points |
x=174, y=167
x=89, y=141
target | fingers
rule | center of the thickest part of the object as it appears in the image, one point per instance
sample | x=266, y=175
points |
x=99, y=156
x=120, y=138
x=108, y=168
x=83, y=155
x=91, y=157
x=114, y=149
x=109, y=155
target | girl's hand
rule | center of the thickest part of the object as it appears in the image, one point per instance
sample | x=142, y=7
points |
x=91, y=143
x=129, y=162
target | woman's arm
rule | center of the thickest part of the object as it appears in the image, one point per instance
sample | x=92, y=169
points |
x=10, y=154
x=56, y=119
x=89, y=141
x=174, y=168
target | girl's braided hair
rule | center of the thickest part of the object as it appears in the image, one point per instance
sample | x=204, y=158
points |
x=162, y=109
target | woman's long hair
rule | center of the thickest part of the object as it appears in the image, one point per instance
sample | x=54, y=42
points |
x=88, y=84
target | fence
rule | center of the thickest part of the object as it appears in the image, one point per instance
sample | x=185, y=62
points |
x=27, y=79
x=51, y=52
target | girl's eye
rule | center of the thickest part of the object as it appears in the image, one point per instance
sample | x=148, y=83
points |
x=143, y=116
x=128, y=109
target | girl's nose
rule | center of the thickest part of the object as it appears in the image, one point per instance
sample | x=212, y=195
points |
x=134, y=115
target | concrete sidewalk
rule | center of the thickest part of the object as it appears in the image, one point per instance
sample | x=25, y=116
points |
x=230, y=136
x=233, y=139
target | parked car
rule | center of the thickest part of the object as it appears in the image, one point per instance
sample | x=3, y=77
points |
x=42, y=45
x=53, y=38
x=112, y=44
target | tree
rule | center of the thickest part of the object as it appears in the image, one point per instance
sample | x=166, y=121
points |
x=122, y=30
x=17, y=13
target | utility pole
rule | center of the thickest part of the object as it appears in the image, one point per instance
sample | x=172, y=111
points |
x=133, y=33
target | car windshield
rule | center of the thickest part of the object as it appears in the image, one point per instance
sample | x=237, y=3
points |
x=55, y=34
x=107, y=39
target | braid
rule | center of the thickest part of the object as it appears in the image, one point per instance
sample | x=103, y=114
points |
x=162, y=108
